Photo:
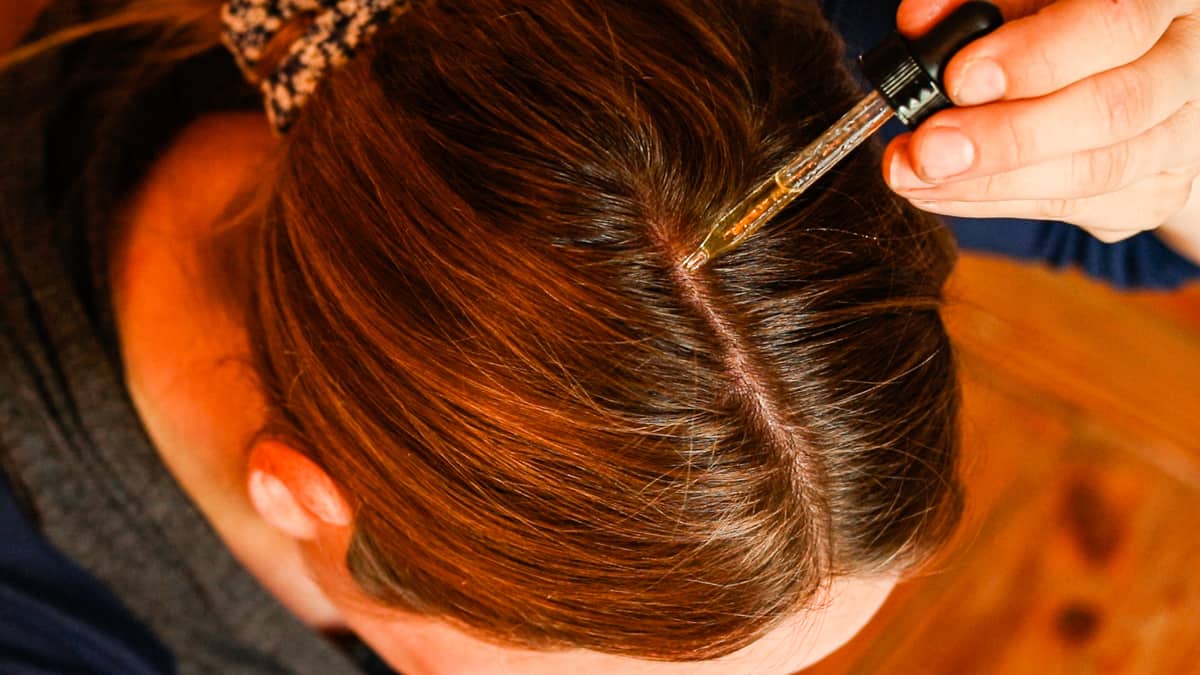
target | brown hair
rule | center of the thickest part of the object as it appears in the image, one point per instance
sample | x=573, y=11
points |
x=465, y=302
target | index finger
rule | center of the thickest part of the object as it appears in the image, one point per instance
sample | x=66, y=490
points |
x=1063, y=43
x=1097, y=112
x=914, y=18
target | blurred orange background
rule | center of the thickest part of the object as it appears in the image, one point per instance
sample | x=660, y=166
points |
x=1080, y=550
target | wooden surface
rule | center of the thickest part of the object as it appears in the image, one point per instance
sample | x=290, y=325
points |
x=1080, y=552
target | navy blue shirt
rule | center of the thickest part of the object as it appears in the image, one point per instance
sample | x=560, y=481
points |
x=55, y=618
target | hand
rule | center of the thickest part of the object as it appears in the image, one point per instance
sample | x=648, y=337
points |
x=1087, y=111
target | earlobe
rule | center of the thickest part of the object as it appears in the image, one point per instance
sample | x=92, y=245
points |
x=279, y=507
x=292, y=493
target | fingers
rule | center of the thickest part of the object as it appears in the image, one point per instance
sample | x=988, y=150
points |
x=916, y=17
x=1109, y=217
x=1182, y=231
x=1082, y=174
x=1087, y=112
x=1063, y=43
x=1100, y=111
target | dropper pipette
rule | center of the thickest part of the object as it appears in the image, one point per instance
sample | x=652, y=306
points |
x=906, y=75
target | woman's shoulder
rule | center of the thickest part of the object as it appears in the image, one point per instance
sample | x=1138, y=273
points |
x=56, y=618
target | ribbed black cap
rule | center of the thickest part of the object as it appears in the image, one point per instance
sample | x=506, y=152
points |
x=908, y=74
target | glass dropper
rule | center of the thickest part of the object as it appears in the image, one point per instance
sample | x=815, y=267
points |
x=907, y=77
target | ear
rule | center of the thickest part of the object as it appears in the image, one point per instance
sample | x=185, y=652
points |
x=292, y=493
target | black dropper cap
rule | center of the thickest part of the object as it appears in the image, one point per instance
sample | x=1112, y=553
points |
x=908, y=73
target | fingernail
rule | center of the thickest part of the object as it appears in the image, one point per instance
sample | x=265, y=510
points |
x=901, y=176
x=981, y=81
x=945, y=152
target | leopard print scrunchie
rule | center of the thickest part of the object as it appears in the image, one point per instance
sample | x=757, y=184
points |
x=338, y=28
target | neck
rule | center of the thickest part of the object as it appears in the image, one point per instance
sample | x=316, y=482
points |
x=184, y=352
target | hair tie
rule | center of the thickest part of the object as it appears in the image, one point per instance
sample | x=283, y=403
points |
x=336, y=31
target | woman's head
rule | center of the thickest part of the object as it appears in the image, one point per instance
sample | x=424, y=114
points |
x=467, y=309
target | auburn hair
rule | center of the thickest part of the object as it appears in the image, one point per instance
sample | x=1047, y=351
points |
x=465, y=301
